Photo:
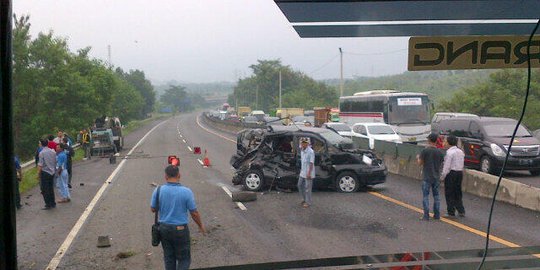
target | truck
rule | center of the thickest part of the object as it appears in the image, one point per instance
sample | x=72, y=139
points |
x=243, y=111
x=322, y=115
x=106, y=136
x=289, y=113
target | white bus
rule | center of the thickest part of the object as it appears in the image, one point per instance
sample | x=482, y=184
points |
x=407, y=112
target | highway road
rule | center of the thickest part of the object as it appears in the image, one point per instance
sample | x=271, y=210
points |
x=274, y=228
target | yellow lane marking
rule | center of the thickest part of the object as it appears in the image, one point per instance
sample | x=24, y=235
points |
x=416, y=209
x=445, y=220
x=209, y=131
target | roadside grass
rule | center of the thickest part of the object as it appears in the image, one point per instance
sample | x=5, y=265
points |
x=30, y=175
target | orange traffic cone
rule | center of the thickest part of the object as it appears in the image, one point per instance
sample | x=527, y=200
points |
x=197, y=150
x=206, y=160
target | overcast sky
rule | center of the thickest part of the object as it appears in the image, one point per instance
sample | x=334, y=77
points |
x=205, y=40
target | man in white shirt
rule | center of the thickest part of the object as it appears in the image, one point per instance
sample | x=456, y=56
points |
x=307, y=172
x=452, y=175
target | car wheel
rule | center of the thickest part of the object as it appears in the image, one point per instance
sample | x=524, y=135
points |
x=253, y=180
x=486, y=166
x=347, y=182
x=535, y=172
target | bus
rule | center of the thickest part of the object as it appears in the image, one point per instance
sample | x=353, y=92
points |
x=407, y=112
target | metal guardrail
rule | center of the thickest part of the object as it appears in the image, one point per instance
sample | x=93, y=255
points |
x=27, y=164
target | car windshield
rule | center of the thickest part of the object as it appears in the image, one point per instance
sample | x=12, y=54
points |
x=400, y=113
x=340, y=127
x=505, y=130
x=380, y=130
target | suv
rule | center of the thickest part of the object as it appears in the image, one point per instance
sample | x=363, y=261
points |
x=438, y=117
x=485, y=142
x=270, y=158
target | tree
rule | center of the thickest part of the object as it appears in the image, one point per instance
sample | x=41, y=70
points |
x=176, y=97
x=261, y=90
x=54, y=88
x=138, y=80
x=501, y=96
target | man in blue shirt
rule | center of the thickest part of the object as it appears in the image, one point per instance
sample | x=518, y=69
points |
x=175, y=201
x=307, y=172
x=62, y=173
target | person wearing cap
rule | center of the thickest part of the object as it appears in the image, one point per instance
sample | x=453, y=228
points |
x=431, y=159
x=175, y=201
x=307, y=172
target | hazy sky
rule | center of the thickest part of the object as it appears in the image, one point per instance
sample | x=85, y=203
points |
x=205, y=40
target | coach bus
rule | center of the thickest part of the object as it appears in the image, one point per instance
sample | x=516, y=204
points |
x=407, y=112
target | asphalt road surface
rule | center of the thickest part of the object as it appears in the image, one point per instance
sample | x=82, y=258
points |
x=273, y=228
x=523, y=177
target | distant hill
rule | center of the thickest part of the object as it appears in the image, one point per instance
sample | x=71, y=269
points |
x=438, y=85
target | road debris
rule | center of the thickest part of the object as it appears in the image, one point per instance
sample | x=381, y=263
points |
x=244, y=196
x=104, y=241
x=125, y=254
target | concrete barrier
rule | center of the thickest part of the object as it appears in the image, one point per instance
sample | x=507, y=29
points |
x=400, y=159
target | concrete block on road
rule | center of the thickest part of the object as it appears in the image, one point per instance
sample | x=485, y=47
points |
x=104, y=241
x=244, y=196
x=528, y=197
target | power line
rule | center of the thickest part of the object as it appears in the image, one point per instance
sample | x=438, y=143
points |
x=324, y=65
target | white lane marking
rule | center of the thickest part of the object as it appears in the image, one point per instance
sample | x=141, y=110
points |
x=240, y=205
x=181, y=136
x=189, y=148
x=184, y=140
x=55, y=261
x=198, y=123
x=200, y=161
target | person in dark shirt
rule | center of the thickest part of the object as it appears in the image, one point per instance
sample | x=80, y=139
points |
x=431, y=159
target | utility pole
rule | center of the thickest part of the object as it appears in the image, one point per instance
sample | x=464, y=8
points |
x=280, y=89
x=341, y=76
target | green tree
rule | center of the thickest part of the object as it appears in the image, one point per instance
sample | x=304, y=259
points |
x=501, y=96
x=261, y=90
x=54, y=88
x=138, y=80
x=176, y=97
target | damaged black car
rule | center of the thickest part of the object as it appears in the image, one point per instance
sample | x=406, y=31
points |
x=270, y=158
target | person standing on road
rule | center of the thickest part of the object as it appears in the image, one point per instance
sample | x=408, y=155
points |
x=70, y=153
x=60, y=137
x=307, y=172
x=19, y=177
x=85, y=141
x=62, y=173
x=36, y=154
x=52, y=144
x=452, y=174
x=175, y=201
x=46, y=172
x=431, y=159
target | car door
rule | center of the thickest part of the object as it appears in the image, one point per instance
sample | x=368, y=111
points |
x=472, y=144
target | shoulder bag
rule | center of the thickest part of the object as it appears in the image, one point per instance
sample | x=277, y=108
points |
x=156, y=238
